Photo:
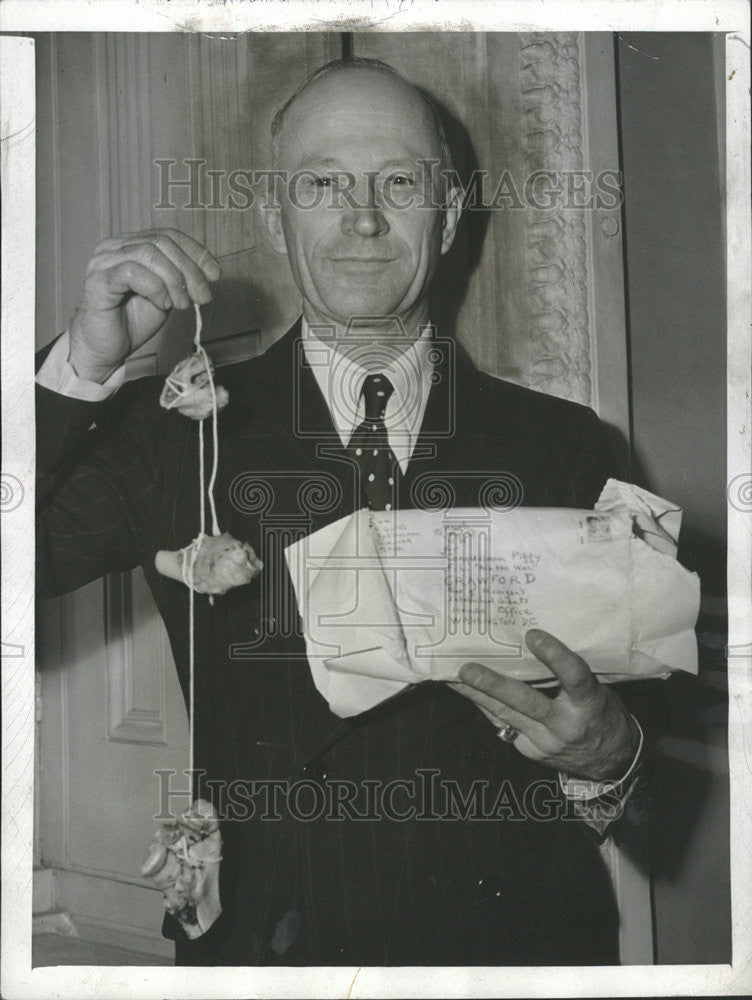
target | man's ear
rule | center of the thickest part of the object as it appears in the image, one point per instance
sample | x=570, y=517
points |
x=272, y=215
x=452, y=214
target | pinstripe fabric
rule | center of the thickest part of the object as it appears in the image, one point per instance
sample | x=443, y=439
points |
x=348, y=891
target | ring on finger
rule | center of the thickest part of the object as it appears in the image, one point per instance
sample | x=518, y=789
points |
x=508, y=733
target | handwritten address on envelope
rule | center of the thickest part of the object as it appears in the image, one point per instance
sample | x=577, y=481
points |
x=394, y=598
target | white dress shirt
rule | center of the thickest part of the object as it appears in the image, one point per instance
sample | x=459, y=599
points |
x=340, y=378
x=58, y=375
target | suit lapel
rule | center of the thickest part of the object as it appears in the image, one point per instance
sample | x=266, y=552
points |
x=281, y=425
x=283, y=429
x=445, y=444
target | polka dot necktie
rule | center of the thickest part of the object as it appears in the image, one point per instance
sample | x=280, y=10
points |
x=378, y=469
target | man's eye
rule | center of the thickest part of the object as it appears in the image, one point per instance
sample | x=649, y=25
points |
x=323, y=182
x=401, y=180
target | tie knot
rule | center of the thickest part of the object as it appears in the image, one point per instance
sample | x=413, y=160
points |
x=376, y=392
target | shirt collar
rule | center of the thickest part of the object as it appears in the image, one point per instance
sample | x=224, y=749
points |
x=340, y=380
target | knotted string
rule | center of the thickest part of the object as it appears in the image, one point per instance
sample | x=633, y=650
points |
x=190, y=552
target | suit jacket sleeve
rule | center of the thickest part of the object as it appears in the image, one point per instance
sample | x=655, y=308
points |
x=97, y=480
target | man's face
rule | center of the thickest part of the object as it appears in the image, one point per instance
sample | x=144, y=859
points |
x=361, y=218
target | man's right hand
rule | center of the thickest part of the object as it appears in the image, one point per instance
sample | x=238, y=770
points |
x=132, y=283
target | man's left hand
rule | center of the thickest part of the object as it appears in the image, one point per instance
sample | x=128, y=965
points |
x=584, y=730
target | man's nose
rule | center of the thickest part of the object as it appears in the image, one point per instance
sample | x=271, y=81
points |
x=367, y=222
x=364, y=216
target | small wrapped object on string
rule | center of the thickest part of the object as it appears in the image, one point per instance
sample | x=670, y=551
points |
x=183, y=858
x=211, y=565
x=183, y=861
x=189, y=388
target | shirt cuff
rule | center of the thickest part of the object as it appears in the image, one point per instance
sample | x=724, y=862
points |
x=57, y=375
x=601, y=803
x=583, y=790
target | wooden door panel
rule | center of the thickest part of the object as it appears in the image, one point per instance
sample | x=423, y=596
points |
x=113, y=715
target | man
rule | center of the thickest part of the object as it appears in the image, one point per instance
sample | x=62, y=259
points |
x=365, y=885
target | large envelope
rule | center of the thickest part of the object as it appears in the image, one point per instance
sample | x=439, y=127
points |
x=391, y=598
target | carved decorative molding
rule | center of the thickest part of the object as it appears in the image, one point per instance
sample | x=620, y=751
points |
x=555, y=238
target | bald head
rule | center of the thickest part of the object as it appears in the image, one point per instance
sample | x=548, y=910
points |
x=357, y=78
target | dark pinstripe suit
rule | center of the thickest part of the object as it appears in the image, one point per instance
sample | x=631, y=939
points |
x=367, y=892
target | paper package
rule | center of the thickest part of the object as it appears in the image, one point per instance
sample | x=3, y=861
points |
x=391, y=598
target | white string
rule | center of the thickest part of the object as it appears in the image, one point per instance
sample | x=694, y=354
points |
x=190, y=552
x=215, y=434
x=215, y=446
x=191, y=559
x=180, y=391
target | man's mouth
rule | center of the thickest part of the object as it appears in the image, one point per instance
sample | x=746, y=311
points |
x=350, y=259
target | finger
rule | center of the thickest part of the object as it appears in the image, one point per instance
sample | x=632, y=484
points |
x=129, y=276
x=194, y=251
x=488, y=705
x=512, y=693
x=534, y=740
x=148, y=256
x=194, y=279
x=500, y=714
x=575, y=676
x=528, y=748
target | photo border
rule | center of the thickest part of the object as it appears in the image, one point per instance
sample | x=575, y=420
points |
x=18, y=236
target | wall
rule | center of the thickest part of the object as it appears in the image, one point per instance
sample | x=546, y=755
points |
x=674, y=240
x=670, y=93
